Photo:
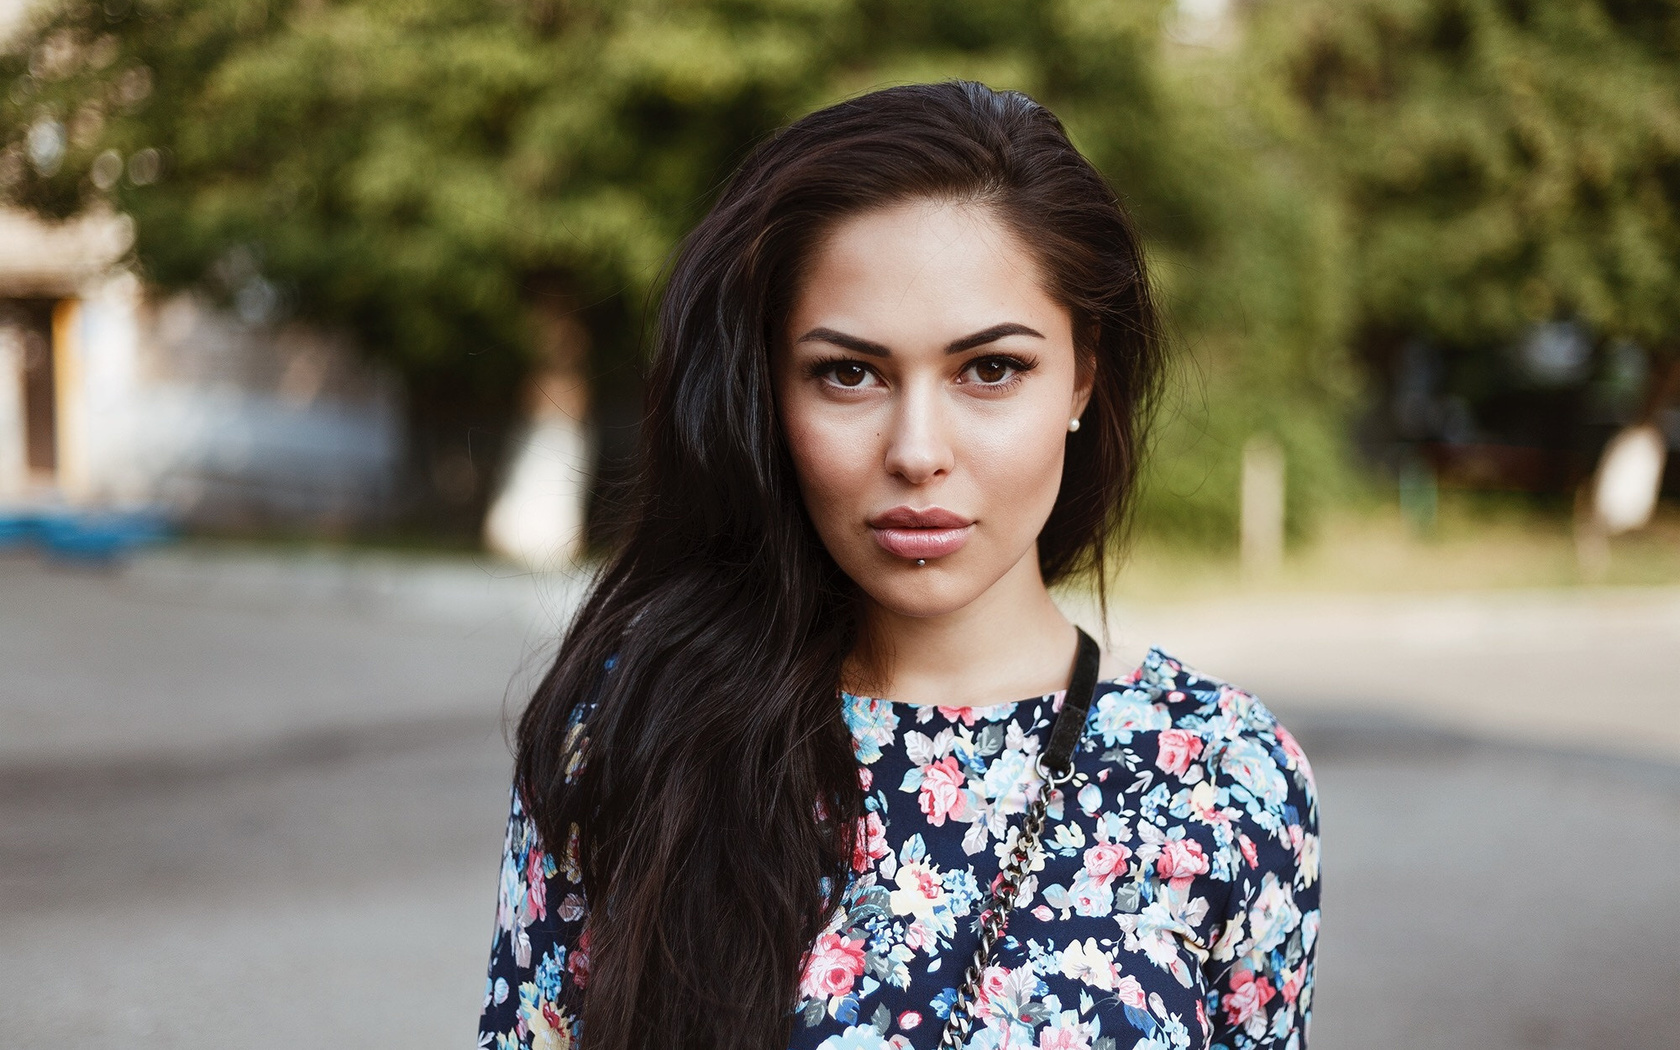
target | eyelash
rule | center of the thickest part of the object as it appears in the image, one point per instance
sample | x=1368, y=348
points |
x=825, y=367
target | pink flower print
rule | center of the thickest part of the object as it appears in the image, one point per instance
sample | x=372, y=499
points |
x=833, y=964
x=1043, y=914
x=1090, y=897
x=1249, y=851
x=1106, y=860
x=1130, y=992
x=992, y=986
x=1233, y=701
x=1248, y=995
x=866, y=777
x=919, y=890
x=962, y=714
x=1057, y=1038
x=551, y=1017
x=1177, y=749
x=916, y=935
x=536, y=887
x=1297, y=757
x=909, y=1019
x=577, y=960
x=1181, y=860
x=870, y=843
x=942, y=791
x=1292, y=980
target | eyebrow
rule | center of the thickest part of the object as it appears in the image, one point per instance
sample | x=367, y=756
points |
x=956, y=346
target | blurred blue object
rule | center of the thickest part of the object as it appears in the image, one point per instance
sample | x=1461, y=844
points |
x=16, y=529
x=82, y=535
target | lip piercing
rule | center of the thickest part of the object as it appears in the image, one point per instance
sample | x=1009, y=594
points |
x=920, y=562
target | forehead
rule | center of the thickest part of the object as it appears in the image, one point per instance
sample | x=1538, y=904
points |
x=921, y=273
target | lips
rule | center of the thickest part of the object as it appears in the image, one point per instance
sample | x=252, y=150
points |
x=910, y=533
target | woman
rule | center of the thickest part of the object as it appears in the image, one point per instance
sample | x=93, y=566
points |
x=765, y=791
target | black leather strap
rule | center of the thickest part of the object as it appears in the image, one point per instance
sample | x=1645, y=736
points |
x=1070, y=721
x=1056, y=761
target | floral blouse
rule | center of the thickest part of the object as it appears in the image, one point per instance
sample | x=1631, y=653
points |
x=1175, y=904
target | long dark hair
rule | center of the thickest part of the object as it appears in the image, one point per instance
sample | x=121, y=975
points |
x=718, y=788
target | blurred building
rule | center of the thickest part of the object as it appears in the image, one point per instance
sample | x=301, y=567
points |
x=115, y=395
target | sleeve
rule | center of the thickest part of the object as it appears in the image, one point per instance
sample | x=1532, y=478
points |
x=539, y=955
x=1259, y=972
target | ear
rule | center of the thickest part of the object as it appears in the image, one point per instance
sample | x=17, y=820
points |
x=1084, y=378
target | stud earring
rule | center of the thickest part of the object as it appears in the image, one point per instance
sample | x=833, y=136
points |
x=1073, y=425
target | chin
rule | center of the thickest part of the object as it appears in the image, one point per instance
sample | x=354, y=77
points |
x=903, y=602
x=919, y=592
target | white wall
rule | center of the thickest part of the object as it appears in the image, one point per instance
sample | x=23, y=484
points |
x=172, y=404
x=233, y=423
x=13, y=462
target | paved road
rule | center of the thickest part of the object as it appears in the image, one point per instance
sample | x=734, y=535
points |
x=181, y=655
x=326, y=877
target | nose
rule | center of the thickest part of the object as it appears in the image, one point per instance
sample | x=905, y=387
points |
x=919, y=445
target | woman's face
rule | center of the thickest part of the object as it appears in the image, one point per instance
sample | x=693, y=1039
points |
x=925, y=382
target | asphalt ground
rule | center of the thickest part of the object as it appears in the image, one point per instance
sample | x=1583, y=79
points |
x=237, y=815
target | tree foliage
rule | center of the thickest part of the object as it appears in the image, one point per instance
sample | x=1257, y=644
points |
x=424, y=170
x=1502, y=162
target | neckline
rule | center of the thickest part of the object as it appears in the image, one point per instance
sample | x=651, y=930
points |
x=1152, y=660
x=999, y=706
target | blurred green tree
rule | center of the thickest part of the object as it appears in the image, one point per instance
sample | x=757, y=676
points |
x=1500, y=164
x=454, y=178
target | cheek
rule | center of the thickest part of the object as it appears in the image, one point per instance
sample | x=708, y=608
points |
x=1016, y=461
x=831, y=460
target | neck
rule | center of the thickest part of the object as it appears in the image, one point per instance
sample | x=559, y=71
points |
x=1009, y=643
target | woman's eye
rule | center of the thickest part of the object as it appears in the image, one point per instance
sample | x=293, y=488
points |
x=849, y=373
x=992, y=371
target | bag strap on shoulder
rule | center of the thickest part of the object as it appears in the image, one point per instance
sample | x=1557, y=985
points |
x=1070, y=721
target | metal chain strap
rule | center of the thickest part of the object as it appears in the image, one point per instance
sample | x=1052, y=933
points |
x=996, y=917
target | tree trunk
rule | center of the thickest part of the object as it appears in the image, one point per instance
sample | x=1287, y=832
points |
x=536, y=517
x=1630, y=471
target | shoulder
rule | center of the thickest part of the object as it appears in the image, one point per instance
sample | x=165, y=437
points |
x=1190, y=718
x=1210, y=758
